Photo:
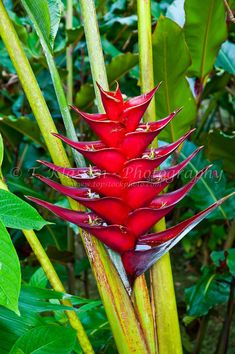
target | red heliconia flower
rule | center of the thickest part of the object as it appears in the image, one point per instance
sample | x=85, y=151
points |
x=122, y=190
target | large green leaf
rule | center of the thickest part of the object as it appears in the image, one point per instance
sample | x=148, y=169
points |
x=45, y=15
x=18, y=214
x=119, y=66
x=10, y=277
x=226, y=57
x=25, y=126
x=46, y=340
x=205, y=30
x=171, y=60
x=210, y=290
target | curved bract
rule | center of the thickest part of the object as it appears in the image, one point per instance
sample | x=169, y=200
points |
x=122, y=190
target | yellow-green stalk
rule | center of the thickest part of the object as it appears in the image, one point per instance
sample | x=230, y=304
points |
x=163, y=294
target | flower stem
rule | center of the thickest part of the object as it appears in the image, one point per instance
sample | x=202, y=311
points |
x=94, y=47
x=164, y=302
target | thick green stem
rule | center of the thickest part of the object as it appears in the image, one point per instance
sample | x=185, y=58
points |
x=167, y=324
x=94, y=47
x=69, y=53
x=68, y=123
x=125, y=326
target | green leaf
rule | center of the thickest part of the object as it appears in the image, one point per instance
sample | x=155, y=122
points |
x=227, y=255
x=226, y=57
x=205, y=30
x=10, y=276
x=56, y=8
x=45, y=15
x=119, y=66
x=220, y=146
x=39, y=278
x=217, y=257
x=25, y=126
x=171, y=60
x=211, y=187
x=46, y=340
x=17, y=214
x=209, y=291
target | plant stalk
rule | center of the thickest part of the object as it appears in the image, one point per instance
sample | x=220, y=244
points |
x=125, y=326
x=69, y=53
x=64, y=109
x=164, y=302
x=94, y=47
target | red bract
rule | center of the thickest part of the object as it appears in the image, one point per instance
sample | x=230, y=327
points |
x=122, y=189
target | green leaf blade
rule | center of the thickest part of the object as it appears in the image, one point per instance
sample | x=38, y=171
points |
x=10, y=276
x=205, y=30
x=171, y=60
x=17, y=214
x=38, y=11
x=46, y=340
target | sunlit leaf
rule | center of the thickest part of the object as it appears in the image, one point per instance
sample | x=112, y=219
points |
x=21, y=216
x=9, y=272
x=45, y=15
x=46, y=340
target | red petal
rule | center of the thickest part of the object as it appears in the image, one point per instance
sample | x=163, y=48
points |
x=141, y=220
x=105, y=184
x=114, y=236
x=173, y=171
x=101, y=206
x=135, y=143
x=139, y=194
x=176, y=231
x=109, y=159
x=112, y=102
x=110, y=132
x=142, y=168
x=135, y=108
x=169, y=148
x=138, y=261
x=171, y=198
